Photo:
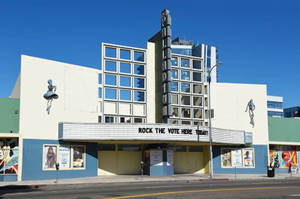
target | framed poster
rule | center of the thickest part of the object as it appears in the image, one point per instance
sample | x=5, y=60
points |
x=236, y=157
x=155, y=157
x=170, y=157
x=248, y=157
x=78, y=157
x=226, y=157
x=50, y=154
x=64, y=157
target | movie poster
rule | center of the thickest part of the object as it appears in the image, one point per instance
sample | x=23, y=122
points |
x=50, y=152
x=226, y=157
x=78, y=157
x=64, y=157
x=248, y=157
x=236, y=155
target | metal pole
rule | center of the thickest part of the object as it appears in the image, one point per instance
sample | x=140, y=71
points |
x=210, y=136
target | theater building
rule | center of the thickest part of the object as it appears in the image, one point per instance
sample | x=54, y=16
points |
x=143, y=110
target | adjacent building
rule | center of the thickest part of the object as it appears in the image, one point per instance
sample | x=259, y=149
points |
x=275, y=106
x=292, y=112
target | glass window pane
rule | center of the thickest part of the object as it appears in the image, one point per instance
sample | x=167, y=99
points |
x=110, y=66
x=185, y=112
x=186, y=122
x=139, y=96
x=125, y=81
x=174, y=74
x=139, y=83
x=111, y=80
x=185, y=75
x=174, y=99
x=197, y=101
x=197, y=88
x=125, y=119
x=185, y=63
x=198, y=113
x=138, y=120
x=185, y=87
x=109, y=119
x=110, y=93
x=124, y=54
x=139, y=69
x=174, y=111
x=174, y=61
x=196, y=64
x=125, y=67
x=110, y=52
x=196, y=76
x=100, y=79
x=174, y=86
x=125, y=95
x=138, y=56
x=186, y=100
x=100, y=93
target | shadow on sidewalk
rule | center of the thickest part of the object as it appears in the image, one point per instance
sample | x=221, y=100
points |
x=17, y=189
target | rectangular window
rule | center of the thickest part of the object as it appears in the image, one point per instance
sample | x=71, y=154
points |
x=110, y=93
x=197, y=101
x=174, y=121
x=106, y=147
x=125, y=68
x=138, y=120
x=185, y=63
x=199, y=123
x=174, y=99
x=174, y=61
x=174, y=74
x=111, y=66
x=125, y=95
x=185, y=112
x=177, y=148
x=139, y=69
x=110, y=52
x=174, y=86
x=125, y=119
x=195, y=149
x=186, y=122
x=196, y=64
x=198, y=113
x=185, y=87
x=174, y=111
x=139, y=96
x=109, y=119
x=50, y=156
x=197, y=89
x=185, y=75
x=196, y=76
x=138, y=56
x=100, y=79
x=186, y=100
x=124, y=54
x=139, y=83
x=99, y=92
x=110, y=80
x=125, y=81
x=129, y=147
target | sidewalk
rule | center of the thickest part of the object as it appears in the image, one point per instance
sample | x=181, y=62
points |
x=136, y=178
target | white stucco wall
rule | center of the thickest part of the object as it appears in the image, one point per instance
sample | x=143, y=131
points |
x=16, y=90
x=77, y=88
x=151, y=111
x=229, y=102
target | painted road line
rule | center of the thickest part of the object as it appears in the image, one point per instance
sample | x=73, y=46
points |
x=199, y=191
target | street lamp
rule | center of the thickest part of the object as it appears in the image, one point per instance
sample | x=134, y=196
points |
x=209, y=116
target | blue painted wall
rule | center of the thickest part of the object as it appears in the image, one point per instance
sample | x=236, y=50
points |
x=33, y=159
x=261, y=160
x=162, y=170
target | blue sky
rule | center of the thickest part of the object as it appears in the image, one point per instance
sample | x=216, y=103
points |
x=258, y=41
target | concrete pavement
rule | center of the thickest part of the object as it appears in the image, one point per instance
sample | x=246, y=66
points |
x=137, y=178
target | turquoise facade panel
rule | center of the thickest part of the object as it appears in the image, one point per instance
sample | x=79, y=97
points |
x=32, y=168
